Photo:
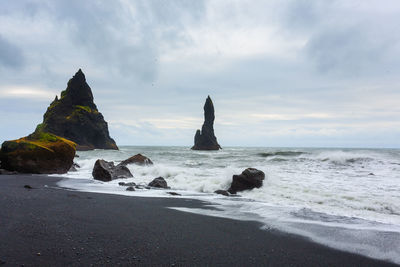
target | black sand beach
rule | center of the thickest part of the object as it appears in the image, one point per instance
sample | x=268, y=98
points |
x=47, y=226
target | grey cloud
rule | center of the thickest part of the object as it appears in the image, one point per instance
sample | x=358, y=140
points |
x=26, y=7
x=345, y=38
x=350, y=50
x=347, y=50
x=11, y=56
x=303, y=14
x=129, y=42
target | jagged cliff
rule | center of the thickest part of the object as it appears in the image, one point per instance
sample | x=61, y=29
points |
x=205, y=139
x=75, y=117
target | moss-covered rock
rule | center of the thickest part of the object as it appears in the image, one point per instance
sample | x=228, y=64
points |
x=39, y=152
x=75, y=117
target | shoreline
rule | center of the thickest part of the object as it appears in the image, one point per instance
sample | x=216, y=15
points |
x=48, y=225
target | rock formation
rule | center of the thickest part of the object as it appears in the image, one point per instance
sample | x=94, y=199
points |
x=249, y=179
x=106, y=171
x=38, y=153
x=159, y=182
x=138, y=159
x=205, y=139
x=75, y=117
x=127, y=184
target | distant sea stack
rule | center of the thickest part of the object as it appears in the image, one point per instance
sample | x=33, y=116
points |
x=205, y=139
x=75, y=117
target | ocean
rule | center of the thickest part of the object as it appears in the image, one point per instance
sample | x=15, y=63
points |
x=347, y=199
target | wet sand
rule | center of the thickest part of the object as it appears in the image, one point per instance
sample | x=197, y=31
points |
x=49, y=226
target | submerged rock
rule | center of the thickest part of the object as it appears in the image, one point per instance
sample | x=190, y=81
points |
x=106, y=171
x=41, y=153
x=139, y=186
x=249, y=179
x=159, y=182
x=75, y=117
x=126, y=184
x=137, y=159
x=174, y=194
x=205, y=139
x=74, y=167
x=222, y=192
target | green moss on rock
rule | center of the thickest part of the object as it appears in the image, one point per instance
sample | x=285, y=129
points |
x=75, y=117
x=63, y=93
x=39, y=152
x=85, y=108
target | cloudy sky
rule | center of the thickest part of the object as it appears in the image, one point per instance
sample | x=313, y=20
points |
x=280, y=73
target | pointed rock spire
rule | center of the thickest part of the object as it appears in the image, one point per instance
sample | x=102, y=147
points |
x=205, y=139
x=75, y=117
x=78, y=92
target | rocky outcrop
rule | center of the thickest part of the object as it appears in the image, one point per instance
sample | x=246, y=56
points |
x=75, y=117
x=159, y=182
x=138, y=159
x=205, y=139
x=249, y=179
x=41, y=153
x=106, y=171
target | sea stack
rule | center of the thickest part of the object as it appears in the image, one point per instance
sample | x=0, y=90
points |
x=75, y=117
x=205, y=139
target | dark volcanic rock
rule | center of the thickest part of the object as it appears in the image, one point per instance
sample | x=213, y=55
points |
x=205, y=139
x=74, y=167
x=75, y=117
x=137, y=159
x=159, y=182
x=126, y=184
x=222, y=192
x=130, y=188
x=174, y=194
x=106, y=171
x=38, y=153
x=249, y=179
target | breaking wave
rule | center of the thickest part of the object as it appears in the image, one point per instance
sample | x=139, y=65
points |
x=312, y=192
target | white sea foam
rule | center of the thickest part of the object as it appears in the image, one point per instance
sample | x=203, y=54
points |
x=345, y=198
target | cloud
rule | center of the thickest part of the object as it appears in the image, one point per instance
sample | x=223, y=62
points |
x=346, y=38
x=24, y=92
x=352, y=50
x=293, y=72
x=126, y=36
x=11, y=56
